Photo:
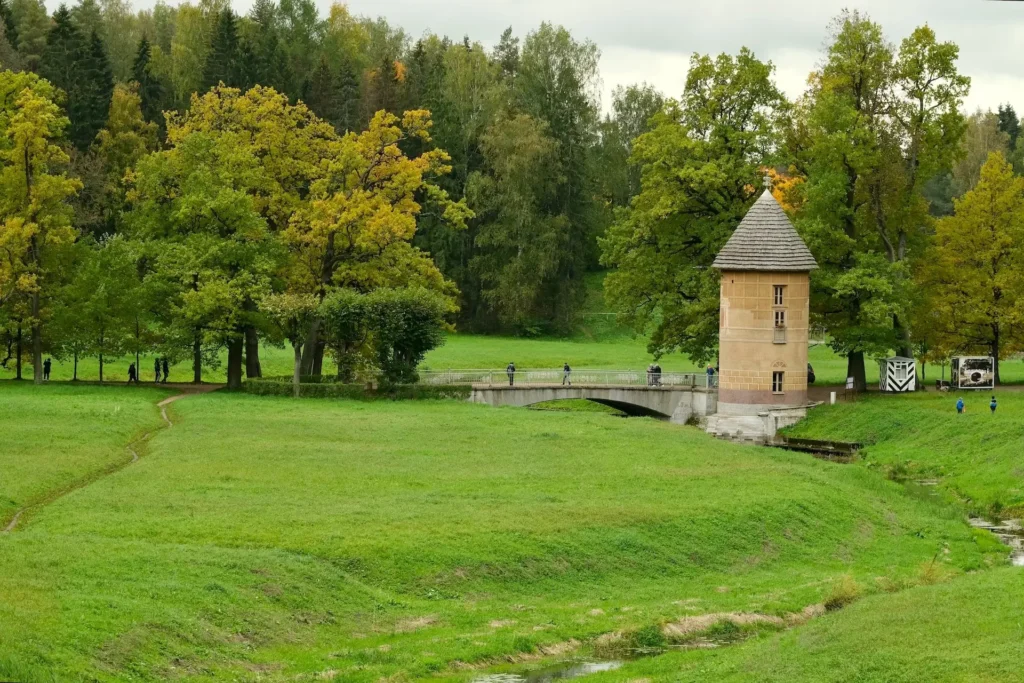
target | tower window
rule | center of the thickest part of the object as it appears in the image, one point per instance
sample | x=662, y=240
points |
x=780, y=318
x=780, y=295
x=778, y=382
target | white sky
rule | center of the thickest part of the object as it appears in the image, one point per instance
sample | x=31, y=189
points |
x=651, y=40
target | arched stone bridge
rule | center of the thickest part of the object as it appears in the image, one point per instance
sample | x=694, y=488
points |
x=674, y=396
x=676, y=403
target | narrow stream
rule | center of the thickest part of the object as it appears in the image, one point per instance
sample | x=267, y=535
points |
x=561, y=672
x=1009, y=532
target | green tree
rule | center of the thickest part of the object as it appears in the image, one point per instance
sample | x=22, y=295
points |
x=557, y=83
x=293, y=315
x=150, y=89
x=9, y=22
x=120, y=36
x=519, y=244
x=34, y=192
x=32, y=24
x=876, y=125
x=405, y=323
x=973, y=276
x=633, y=108
x=194, y=203
x=77, y=65
x=982, y=137
x=223, y=60
x=88, y=17
x=699, y=166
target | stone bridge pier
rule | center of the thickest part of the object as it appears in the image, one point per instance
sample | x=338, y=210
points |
x=675, y=403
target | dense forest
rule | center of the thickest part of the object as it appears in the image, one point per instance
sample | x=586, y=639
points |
x=184, y=179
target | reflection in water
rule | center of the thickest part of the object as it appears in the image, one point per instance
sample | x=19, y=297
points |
x=562, y=672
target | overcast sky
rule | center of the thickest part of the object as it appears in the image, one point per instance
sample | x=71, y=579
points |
x=651, y=40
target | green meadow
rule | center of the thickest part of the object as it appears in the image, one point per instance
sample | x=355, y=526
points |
x=272, y=539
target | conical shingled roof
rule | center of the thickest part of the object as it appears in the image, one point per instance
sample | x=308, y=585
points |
x=766, y=240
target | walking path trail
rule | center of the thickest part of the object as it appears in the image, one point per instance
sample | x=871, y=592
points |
x=186, y=391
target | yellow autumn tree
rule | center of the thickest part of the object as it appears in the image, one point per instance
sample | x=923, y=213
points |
x=973, y=276
x=36, y=216
x=357, y=230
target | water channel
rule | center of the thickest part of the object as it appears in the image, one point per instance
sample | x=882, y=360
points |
x=561, y=672
x=1009, y=532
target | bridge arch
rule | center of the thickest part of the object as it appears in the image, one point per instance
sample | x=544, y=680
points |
x=677, y=404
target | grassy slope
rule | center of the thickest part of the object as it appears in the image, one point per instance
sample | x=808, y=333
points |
x=977, y=456
x=57, y=435
x=965, y=630
x=281, y=537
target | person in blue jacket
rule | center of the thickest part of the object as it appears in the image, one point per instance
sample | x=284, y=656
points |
x=960, y=405
x=993, y=405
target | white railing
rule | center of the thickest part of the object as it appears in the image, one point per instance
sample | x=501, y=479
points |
x=630, y=378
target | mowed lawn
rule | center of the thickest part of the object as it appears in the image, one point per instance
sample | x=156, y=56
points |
x=272, y=539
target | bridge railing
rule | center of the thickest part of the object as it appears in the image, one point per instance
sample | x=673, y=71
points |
x=628, y=378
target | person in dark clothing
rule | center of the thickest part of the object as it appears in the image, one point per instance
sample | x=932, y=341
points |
x=46, y=370
x=711, y=377
x=566, y=375
x=156, y=370
x=993, y=405
x=511, y=372
x=133, y=375
x=165, y=370
x=657, y=375
x=650, y=375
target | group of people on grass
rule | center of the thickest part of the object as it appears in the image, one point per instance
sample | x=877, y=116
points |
x=961, y=407
x=161, y=372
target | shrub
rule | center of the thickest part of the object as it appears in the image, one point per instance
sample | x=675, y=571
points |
x=844, y=592
x=329, y=389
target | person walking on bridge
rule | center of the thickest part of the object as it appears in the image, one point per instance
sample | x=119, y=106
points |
x=511, y=372
x=711, y=377
x=566, y=375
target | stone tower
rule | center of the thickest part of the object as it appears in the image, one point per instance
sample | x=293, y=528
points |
x=763, y=333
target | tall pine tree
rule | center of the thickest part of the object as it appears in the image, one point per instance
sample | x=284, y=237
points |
x=79, y=67
x=324, y=98
x=151, y=90
x=223, y=64
x=10, y=26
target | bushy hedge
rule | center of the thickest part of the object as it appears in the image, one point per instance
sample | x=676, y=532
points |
x=323, y=388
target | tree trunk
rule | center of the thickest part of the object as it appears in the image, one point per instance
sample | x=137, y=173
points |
x=252, y=353
x=309, y=348
x=235, y=345
x=197, y=360
x=74, y=377
x=101, y=368
x=297, y=374
x=17, y=360
x=995, y=352
x=855, y=369
x=318, y=358
x=37, y=341
x=903, y=337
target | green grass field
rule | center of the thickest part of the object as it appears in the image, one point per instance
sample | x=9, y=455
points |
x=271, y=539
x=976, y=456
